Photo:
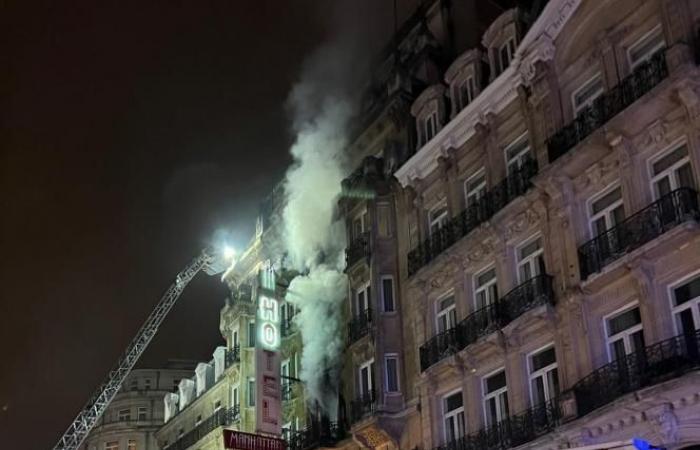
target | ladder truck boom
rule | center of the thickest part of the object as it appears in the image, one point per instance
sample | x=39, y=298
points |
x=209, y=261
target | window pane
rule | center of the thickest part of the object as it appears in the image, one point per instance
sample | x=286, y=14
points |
x=645, y=48
x=392, y=375
x=670, y=159
x=638, y=341
x=486, y=277
x=553, y=381
x=617, y=349
x=543, y=359
x=388, y=288
x=685, y=176
x=453, y=402
x=687, y=292
x=529, y=249
x=624, y=321
x=446, y=303
x=495, y=382
x=591, y=90
x=607, y=200
x=538, y=395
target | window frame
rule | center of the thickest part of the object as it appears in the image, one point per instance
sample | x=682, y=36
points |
x=436, y=224
x=252, y=338
x=430, y=117
x=510, y=51
x=468, y=82
x=439, y=312
x=693, y=304
x=531, y=259
x=598, y=76
x=486, y=396
x=131, y=444
x=142, y=417
x=625, y=334
x=519, y=157
x=592, y=217
x=382, y=279
x=365, y=289
x=670, y=171
x=393, y=356
x=110, y=445
x=542, y=372
x=455, y=412
x=236, y=394
x=369, y=365
x=481, y=187
x=124, y=417
x=655, y=29
x=477, y=289
x=251, y=393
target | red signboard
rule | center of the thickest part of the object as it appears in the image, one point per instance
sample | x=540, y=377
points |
x=245, y=441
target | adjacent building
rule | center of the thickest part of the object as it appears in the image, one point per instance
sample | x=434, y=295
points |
x=136, y=413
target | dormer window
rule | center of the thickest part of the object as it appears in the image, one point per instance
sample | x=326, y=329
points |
x=429, y=112
x=430, y=126
x=464, y=93
x=505, y=55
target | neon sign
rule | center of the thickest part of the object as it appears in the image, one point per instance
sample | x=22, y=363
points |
x=268, y=312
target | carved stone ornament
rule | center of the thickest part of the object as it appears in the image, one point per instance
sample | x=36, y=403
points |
x=666, y=424
x=521, y=222
x=690, y=99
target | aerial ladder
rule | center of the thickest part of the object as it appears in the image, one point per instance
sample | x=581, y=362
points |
x=211, y=262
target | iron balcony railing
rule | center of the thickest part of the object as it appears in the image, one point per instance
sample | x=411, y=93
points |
x=323, y=434
x=233, y=355
x=359, y=326
x=534, y=292
x=359, y=248
x=363, y=406
x=513, y=431
x=651, y=222
x=608, y=105
x=513, y=186
x=651, y=365
x=220, y=418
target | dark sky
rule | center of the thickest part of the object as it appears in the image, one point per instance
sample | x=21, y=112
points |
x=129, y=133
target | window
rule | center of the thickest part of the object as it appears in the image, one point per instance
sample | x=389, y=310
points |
x=686, y=306
x=430, y=126
x=530, y=260
x=251, y=391
x=671, y=171
x=147, y=383
x=112, y=445
x=284, y=375
x=198, y=420
x=464, y=93
x=235, y=396
x=586, y=94
x=495, y=398
x=366, y=374
x=475, y=188
x=384, y=220
x=134, y=385
x=391, y=363
x=437, y=218
x=544, y=376
x=360, y=224
x=131, y=445
x=646, y=47
x=287, y=431
x=446, y=314
x=517, y=154
x=505, y=55
x=124, y=415
x=217, y=405
x=180, y=432
x=388, y=293
x=251, y=333
x=142, y=413
x=362, y=299
x=235, y=340
x=485, y=289
x=624, y=334
x=453, y=416
x=607, y=211
x=176, y=384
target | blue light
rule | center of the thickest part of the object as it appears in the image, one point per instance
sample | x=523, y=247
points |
x=641, y=444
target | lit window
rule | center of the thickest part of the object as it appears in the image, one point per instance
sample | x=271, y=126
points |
x=366, y=374
x=671, y=171
x=430, y=126
x=388, y=293
x=446, y=314
x=495, y=398
x=544, y=376
x=131, y=445
x=124, y=415
x=437, y=218
x=464, y=93
x=623, y=333
x=646, y=47
x=607, y=211
x=587, y=94
x=112, y=445
x=391, y=363
x=453, y=416
x=517, y=154
x=686, y=306
x=362, y=299
x=530, y=260
x=475, y=188
x=485, y=289
x=251, y=391
x=142, y=413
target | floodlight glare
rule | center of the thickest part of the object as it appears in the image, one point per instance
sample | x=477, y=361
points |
x=229, y=252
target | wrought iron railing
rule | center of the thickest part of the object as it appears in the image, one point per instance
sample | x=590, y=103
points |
x=363, y=406
x=220, y=418
x=323, y=434
x=655, y=363
x=233, y=355
x=513, y=186
x=513, y=431
x=359, y=248
x=608, y=105
x=656, y=219
x=534, y=292
x=359, y=326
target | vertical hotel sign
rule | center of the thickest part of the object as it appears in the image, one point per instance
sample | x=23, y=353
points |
x=267, y=360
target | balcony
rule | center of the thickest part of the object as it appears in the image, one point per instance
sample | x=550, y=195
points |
x=220, y=418
x=363, y=406
x=513, y=186
x=287, y=390
x=288, y=327
x=359, y=326
x=233, y=355
x=644, y=226
x=513, y=431
x=359, y=248
x=323, y=434
x=656, y=363
x=528, y=295
x=608, y=105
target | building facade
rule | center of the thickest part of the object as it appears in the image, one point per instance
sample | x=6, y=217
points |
x=136, y=413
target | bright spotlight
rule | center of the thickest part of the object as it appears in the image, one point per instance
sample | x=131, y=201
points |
x=229, y=252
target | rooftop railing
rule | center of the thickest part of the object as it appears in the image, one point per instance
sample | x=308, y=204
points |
x=511, y=187
x=642, y=227
x=608, y=105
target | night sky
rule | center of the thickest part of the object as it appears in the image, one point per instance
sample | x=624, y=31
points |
x=130, y=133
